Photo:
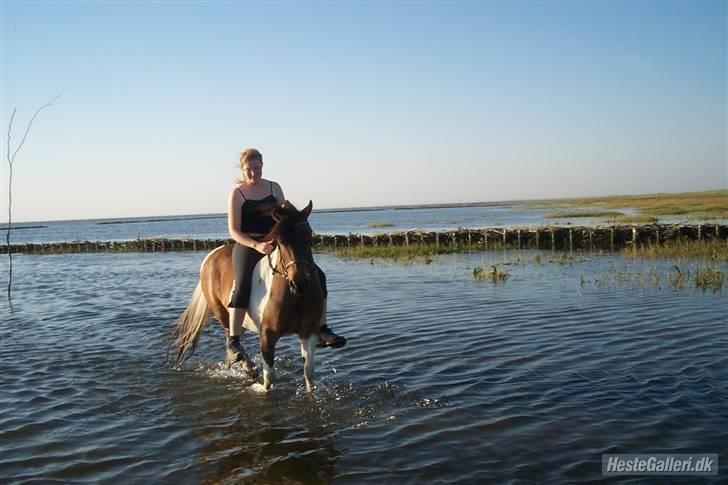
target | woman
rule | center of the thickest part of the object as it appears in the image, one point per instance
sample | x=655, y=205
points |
x=246, y=226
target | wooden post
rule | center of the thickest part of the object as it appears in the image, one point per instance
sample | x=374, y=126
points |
x=519, y=238
x=634, y=237
x=437, y=239
x=591, y=241
x=361, y=239
x=454, y=239
x=470, y=237
x=390, y=239
x=571, y=239
x=537, y=238
x=611, y=239
x=348, y=240
x=553, y=240
x=657, y=237
x=485, y=239
x=700, y=230
x=504, y=236
x=406, y=239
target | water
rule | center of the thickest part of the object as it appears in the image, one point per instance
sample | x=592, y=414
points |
x=444, y=378
x=214, y=226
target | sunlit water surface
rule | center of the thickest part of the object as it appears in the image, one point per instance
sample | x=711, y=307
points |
x=444, y=377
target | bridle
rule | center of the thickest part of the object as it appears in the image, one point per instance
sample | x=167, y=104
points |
x=310, y=266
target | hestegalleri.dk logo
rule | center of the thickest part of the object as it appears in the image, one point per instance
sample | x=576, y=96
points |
x=660, y=464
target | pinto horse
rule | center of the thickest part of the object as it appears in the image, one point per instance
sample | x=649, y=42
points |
x=286, y=295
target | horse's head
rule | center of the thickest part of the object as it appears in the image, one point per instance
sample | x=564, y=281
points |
x=294, y=238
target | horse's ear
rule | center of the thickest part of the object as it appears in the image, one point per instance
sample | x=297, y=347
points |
x=277, y=213
x=307, y=210
x=288, y=206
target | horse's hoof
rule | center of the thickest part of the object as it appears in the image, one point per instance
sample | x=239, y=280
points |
x=251, y=371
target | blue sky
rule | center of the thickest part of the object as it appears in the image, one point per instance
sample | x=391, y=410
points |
x=359, y=104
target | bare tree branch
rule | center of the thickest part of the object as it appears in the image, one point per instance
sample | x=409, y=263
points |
x=11, y=160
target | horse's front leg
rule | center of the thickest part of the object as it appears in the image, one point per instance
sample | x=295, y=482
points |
x=268, y=340
x=308, y=349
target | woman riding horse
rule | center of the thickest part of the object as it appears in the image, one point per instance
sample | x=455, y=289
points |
x=286, y=295
x=247, y=225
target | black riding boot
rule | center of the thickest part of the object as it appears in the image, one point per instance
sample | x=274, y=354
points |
x=233, y=351
x=327, y=338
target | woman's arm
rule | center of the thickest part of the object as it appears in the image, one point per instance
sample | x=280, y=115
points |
x=235, y=219
x=278, y=193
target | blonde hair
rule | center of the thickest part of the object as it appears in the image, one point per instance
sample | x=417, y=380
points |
x=250, y=155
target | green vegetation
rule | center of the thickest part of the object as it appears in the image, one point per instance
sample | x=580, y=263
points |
x=582, y=213
x=380, y=224
x=495, y=275
x=634, y=219
x=703, y=278
x=709, y=278
x=711, y=204
x=706, y=249
x=407, y=253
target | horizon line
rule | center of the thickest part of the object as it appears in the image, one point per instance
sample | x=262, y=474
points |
x=440, y=205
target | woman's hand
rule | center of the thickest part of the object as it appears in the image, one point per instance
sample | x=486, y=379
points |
x=264, y=247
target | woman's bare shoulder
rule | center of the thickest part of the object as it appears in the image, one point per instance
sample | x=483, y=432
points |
x=235, y=192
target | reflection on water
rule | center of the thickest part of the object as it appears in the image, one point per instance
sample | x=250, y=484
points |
x=444, y=377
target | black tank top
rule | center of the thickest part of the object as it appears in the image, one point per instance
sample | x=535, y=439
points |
x=252, y=220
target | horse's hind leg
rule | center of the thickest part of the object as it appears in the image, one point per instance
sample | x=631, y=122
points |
x=223, y=316
x=308, y=349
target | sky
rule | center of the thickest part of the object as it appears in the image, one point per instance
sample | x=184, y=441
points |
x=358, y=103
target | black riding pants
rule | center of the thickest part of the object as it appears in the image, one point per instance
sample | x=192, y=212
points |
x=244, y=261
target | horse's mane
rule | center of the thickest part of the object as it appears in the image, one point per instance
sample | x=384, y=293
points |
x=281, y=213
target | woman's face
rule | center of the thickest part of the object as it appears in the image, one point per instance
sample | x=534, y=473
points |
x=252, y=171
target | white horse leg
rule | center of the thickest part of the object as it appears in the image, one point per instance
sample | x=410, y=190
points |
x=269, y=375
x=308, y=349
x=268, y=341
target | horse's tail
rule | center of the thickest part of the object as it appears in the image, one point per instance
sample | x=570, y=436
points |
x=189, y=325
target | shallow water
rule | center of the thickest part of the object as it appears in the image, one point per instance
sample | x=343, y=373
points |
x=444, y=378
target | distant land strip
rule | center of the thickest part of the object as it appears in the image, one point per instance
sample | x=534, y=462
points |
x=19, y=228
x=164, y=220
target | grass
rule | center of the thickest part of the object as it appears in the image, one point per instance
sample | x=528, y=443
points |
x=582, y=213
x=711, y=204
x=495, y=275
x=709, y=278
x=702, y=278
x=380, y=224
x=407, y=253
x=634, y=219
x=707, y=249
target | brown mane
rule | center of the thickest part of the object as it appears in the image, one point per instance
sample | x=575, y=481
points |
x=283, y=214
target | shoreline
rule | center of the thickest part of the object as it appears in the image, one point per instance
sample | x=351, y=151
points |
x=584, y=238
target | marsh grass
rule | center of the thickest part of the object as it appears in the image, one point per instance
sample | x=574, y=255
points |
x=493, y=274
x=634, y=219
x=582, y=213
x=380, y=224
x=709, y=278
x=711, y=204
x=702, y=277
x=407, y=253
x=712, y=249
